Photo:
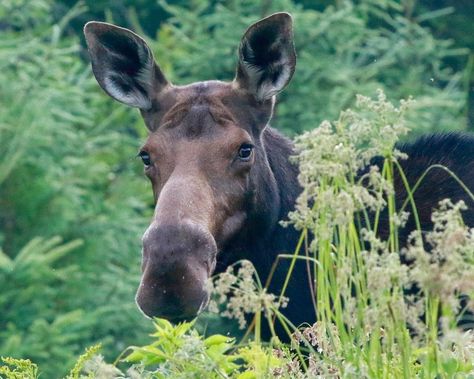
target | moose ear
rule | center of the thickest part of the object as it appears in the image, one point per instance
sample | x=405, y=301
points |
x=123, y=64
x=267, y=56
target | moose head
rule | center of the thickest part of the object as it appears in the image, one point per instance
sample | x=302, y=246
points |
x=204, y=155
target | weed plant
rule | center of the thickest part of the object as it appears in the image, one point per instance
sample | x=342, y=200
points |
x=72, y=204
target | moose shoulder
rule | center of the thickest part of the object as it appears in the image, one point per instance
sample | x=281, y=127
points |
x=221, y=176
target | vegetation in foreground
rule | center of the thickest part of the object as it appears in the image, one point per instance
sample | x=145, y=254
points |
x=370, y=321
x=68, y=169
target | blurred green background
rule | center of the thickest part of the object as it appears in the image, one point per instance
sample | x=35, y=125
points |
x=73, y=200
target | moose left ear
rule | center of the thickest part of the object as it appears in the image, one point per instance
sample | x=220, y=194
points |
x=267, y=56
x=123, y=64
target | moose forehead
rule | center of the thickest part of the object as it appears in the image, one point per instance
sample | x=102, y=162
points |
x=208, y=111
x=200, y=109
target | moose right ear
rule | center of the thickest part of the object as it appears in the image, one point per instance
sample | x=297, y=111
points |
x=123, y=64
x=267, y=56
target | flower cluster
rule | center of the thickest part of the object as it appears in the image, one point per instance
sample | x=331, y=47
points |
x=443, y=259
x=335, y=161
x=241, y=294
x=387, y=309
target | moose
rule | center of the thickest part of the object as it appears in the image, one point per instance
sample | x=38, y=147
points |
x=221, y=176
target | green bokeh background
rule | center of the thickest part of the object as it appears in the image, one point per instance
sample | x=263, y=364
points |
x=73, y=199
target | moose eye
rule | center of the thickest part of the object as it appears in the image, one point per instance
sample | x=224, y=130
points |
x=245, y=151
x=145, y=158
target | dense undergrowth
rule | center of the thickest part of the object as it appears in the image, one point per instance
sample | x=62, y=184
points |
x=67, y=168
x=367, y=325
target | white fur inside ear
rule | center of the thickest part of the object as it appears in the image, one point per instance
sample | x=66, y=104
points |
x=144, y=77
x=267, y=88
x=145, y=74
x=253, y=72
x=133, y=98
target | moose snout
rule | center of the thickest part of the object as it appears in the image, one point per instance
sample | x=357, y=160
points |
x=176, y=264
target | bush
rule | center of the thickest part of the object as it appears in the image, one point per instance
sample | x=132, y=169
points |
x=68, y=166
x=66, y=169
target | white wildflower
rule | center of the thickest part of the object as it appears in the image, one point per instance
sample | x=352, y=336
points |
x=241, y=294
x=334, y=155
x=96, y=367
x=445, y=270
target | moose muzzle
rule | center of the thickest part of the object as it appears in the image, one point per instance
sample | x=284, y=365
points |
x=177, y=262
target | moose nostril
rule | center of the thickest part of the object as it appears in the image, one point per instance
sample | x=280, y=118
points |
x=210, y=265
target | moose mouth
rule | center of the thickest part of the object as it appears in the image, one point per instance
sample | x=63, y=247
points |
x=187, y=317
x=171, y=305
x=175, y=286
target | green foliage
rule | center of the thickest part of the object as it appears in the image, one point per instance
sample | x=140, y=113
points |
x=33, y=324
x=368, y=326
x=348, y=48
x=180, y=352
x=67, y=164
x=18, y=369
x=88, y=354
x=66, y=169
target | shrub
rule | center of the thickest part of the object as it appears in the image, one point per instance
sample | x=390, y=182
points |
x=368, y=324
x=67, y=165
x=66, y=169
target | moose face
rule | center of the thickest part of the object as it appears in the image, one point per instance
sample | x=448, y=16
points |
x=204, y=154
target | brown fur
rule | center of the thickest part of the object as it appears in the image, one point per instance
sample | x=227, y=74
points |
x=214, y=207
x=206, y=193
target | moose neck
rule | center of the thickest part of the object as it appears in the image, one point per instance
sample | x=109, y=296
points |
x=279, y=150
x=284, y=239
x=279, y=239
